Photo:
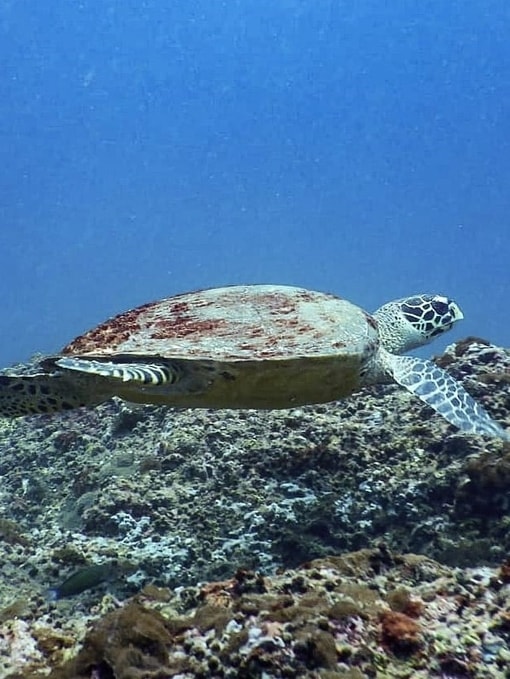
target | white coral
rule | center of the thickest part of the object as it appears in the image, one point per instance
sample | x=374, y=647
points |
x=17, y=647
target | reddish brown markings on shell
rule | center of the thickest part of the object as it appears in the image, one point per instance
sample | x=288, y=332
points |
x=179, y=308
x=209, y=315
x=110, y=333
x=182, y=326
x=158, y=321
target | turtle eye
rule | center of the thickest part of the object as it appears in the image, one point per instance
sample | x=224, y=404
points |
x=441, y=308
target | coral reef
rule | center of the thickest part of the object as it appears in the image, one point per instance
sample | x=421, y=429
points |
x=257, y=506
x=317, y=621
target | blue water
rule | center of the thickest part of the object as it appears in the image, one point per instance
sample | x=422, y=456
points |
x=148, y=148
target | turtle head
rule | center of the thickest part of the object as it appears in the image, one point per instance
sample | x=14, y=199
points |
x=413, y=321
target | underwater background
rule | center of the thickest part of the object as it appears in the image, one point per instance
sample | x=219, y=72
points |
x=148, y=148
x=153, y=147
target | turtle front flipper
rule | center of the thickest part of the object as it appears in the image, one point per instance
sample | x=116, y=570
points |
x=46, y=392
x=444, y=394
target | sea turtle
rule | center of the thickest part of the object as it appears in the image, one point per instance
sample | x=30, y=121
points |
x=250, y=346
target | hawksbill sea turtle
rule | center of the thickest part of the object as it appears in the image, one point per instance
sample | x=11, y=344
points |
x=250, y=346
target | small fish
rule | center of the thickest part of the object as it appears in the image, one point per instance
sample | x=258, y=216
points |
x=86, y=578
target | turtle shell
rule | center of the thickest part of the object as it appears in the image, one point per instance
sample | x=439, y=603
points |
x=270, y=346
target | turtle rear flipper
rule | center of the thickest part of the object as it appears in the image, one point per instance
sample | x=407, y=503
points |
x=151, y=374
x=163, y=376
x=45, y=393
x=445, y=395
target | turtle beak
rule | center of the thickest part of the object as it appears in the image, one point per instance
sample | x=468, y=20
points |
x=455, y=311
x=448, y=311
